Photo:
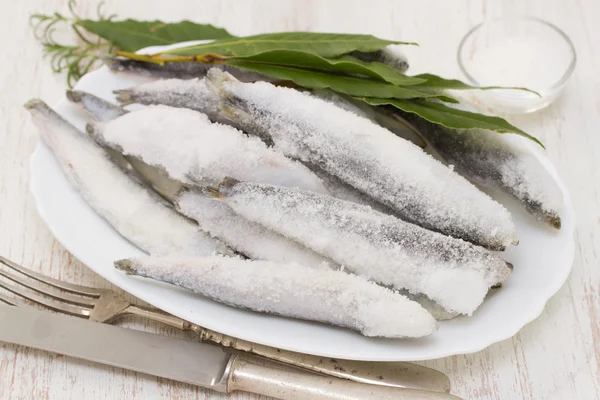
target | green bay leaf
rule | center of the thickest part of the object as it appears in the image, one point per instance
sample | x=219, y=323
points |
x=353, y=86
x=323, y=44
x=132, y=35
x=452, y=117
x=437, y=82
x=344, y=64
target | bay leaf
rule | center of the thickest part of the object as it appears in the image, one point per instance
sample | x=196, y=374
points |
x=132, y=35
x=353, y=86
x=344, y=64
x=323, y=44
x=451, y=117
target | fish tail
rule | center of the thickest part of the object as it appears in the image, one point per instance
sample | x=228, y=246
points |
x=554, y=220
x=220, y=192
x=125, y=97
x=227, y=183
x=212, y=192
x=37, y=105
x=74, y=96
x=125, y=265
x=92, y=130
x=215, y=79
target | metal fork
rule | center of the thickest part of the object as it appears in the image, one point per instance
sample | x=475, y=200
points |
x=103, y=305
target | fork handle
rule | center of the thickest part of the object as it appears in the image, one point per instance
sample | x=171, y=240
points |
x=395, y=374
x=156, y=314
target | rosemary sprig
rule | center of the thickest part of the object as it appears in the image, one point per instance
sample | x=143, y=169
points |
x=76, y=60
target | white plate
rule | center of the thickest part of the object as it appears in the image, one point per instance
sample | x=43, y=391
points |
x=542, y=263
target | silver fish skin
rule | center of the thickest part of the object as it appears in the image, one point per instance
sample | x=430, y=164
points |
x=497, y=161
x=380, y=247
x=292, y=290
x=367, y=157
x=390, y=55
x=191, y=93
x=99, y=109
x=178, y=70
x=128, y=207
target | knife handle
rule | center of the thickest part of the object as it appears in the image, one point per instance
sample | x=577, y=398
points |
x=286, y=383
x=395, y=374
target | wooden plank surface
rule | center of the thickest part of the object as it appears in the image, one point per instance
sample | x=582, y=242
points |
x=555, y=357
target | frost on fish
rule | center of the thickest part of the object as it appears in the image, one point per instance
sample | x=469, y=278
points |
x=131, y=209
x=291, y=290
x=192, y=94
x=188, y=146
x=500, y=161
x=100, y=109
x=244, y=236
x=390, y=55
x=367, y=157
x=452, y=272
x=178, y=70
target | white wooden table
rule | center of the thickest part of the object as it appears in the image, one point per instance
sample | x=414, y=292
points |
x=555, y=357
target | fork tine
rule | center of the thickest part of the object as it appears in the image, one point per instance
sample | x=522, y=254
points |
x=54, y=305
x=7, y=300
x=48, y=290
x=12, y=301
x=69, y=287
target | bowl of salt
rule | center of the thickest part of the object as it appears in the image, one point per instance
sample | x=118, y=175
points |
x=516, y=52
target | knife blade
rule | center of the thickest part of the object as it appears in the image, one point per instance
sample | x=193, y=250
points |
x=187, y=361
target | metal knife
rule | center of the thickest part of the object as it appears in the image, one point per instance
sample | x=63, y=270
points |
x=183, y=360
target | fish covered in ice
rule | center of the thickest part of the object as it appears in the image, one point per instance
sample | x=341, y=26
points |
x=454, y=273
x=500, y=161
x=291, y=290
x=132, y=210
x=393, y=171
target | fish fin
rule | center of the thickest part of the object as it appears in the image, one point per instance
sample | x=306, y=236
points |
x=219, y=192
x=94, y=131
x=216, y=77
x=124, y=96
x=111, y=63
x=37, y=105
x=74, y=96
x=554, y=220
x=125, y=265
x=227, y=183
x=212, y=192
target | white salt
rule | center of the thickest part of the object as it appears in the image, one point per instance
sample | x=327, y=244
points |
x=293, y=290
x=244, y=236
x=130, y=208
x=188, y=146
x=454, y=273
x=368, y=157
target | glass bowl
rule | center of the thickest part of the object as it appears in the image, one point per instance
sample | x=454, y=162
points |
x=516, y=52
